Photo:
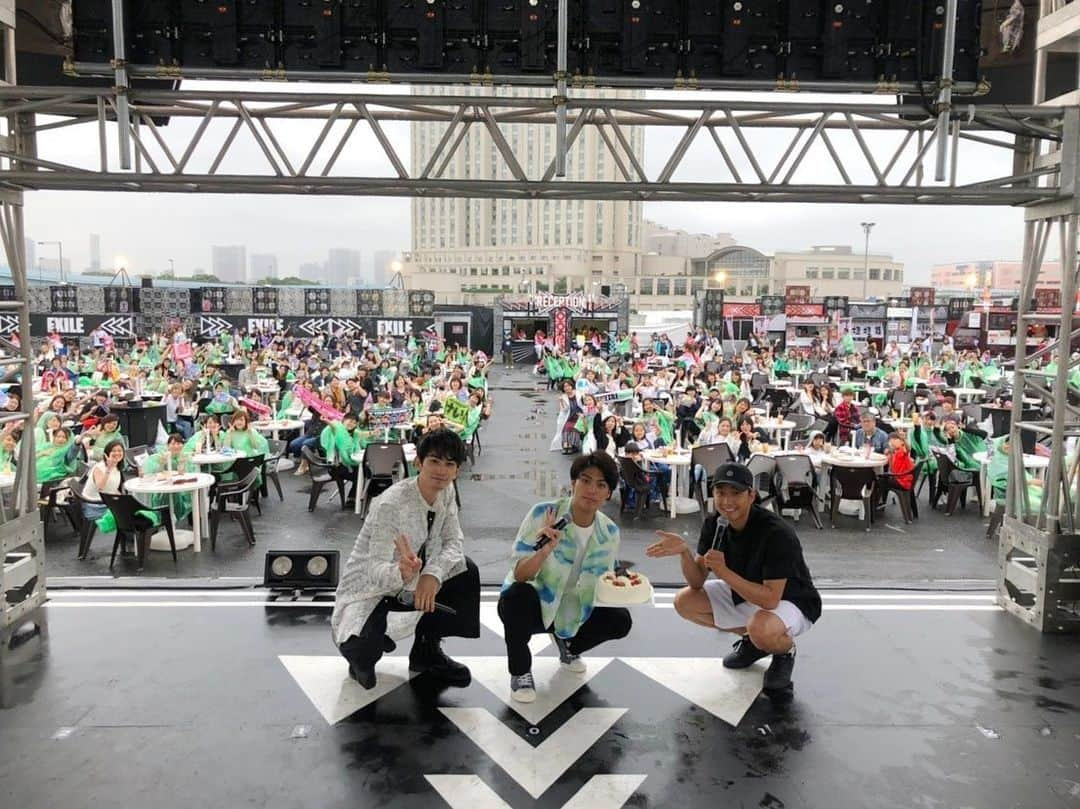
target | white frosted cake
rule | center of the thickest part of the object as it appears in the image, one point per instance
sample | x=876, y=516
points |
x=632, y=588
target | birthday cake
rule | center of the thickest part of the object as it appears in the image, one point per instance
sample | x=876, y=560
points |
x=631, y=588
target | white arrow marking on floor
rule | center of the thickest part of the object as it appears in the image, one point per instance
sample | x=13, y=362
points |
x=535, y=768
x=554, y=685
x=489, y=617
x=326, y=682
x=599, y=792
x=725, y=693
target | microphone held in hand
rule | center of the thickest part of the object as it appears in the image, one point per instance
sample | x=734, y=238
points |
x=408, y=599
x=543, y=540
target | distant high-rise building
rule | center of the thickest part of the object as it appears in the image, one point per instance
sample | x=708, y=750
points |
x=497, y=246
x=263, y=265
x=31, y=256
x=383, y=271
x=343, y=266
x=229, y=262
x=95, y=252
x=313, y=271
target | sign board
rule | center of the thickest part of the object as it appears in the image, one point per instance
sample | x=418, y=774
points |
x=455, y=411
x=1047, y=298
x=383, y=418
x=120, y=326
x=120, y=300
x=922, y=296
x=210, y=327
x=796, y=294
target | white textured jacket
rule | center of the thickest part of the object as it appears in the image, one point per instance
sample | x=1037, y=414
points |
x=371, y=571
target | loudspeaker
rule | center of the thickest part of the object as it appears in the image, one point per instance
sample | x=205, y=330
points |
x=147, y=283
x=712, y=310
x=772, y=304
x=605, y=290
x=836, y=303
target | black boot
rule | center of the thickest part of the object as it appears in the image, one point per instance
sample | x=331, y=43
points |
x=427, y=656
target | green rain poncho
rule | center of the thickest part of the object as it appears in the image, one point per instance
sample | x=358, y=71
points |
x=339, y=445
x=97, y=451
x=55, y=462
x=164, y=461
x=997, y=472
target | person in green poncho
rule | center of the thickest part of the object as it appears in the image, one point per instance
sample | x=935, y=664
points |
x=206, y=439
x=340, y=440
x=9, y=453
x=222, y=402
x=171, y=459
x=966, y=441
x=246, y=441
x=47, y=426
x=56, y=460
x=659, y=421
x=97, y=438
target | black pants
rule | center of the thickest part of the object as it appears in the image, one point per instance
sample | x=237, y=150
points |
x=519, y=610
x=346, y=474
x=462, y=593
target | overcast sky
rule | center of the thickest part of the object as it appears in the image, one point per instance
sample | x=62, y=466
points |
x=151, y=229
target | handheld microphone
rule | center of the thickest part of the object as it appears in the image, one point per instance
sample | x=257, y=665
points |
x=543, y=540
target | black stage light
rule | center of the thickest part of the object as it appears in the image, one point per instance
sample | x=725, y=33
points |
x=301, y=570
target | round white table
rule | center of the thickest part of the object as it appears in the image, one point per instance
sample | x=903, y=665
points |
x=277, y=426
x=967, y=395
x=678, y=461
x=194, y=483
x=1035, y=463
x=216, y=457
x=358, y=458
x=855, y=460
x=780, y=384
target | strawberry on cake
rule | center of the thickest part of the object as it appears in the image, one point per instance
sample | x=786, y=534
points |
x=630, y=588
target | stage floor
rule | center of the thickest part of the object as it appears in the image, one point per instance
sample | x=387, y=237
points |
x=214, y=698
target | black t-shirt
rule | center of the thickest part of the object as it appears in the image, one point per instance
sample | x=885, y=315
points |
x=766, y=548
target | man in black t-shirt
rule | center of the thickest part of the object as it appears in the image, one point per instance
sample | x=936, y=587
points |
x=762, y=590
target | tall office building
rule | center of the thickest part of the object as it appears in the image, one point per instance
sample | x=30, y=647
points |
x=383, y=261
x=344, y=267
x=263, y=265
x=229, y=263
x=95, y=252
x=521, y=245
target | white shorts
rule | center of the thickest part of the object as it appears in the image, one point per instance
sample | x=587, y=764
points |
x=729, y=615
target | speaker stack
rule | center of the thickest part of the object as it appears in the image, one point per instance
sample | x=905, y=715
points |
x=421, y=303
x=369, y=302
x=316, y=301
x=772, y=305
x=712, y=315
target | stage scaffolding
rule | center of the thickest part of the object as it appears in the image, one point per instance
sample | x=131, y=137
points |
x=180, y=141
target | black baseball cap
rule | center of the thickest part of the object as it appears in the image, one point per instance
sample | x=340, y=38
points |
x=735, y=475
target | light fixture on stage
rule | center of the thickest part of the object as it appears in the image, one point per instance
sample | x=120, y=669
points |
x=311, y=570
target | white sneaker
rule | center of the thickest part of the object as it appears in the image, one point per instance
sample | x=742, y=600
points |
x=567, y=660
x=522, y=688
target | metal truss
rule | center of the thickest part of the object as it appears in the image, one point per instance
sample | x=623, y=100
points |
x=845, y=141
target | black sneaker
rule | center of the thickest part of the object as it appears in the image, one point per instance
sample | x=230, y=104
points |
x=778, y=675
x=365, y=675
x=745, y=654
x=429, y=657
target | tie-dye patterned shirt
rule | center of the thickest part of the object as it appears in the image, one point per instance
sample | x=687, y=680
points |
x=566, y=608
